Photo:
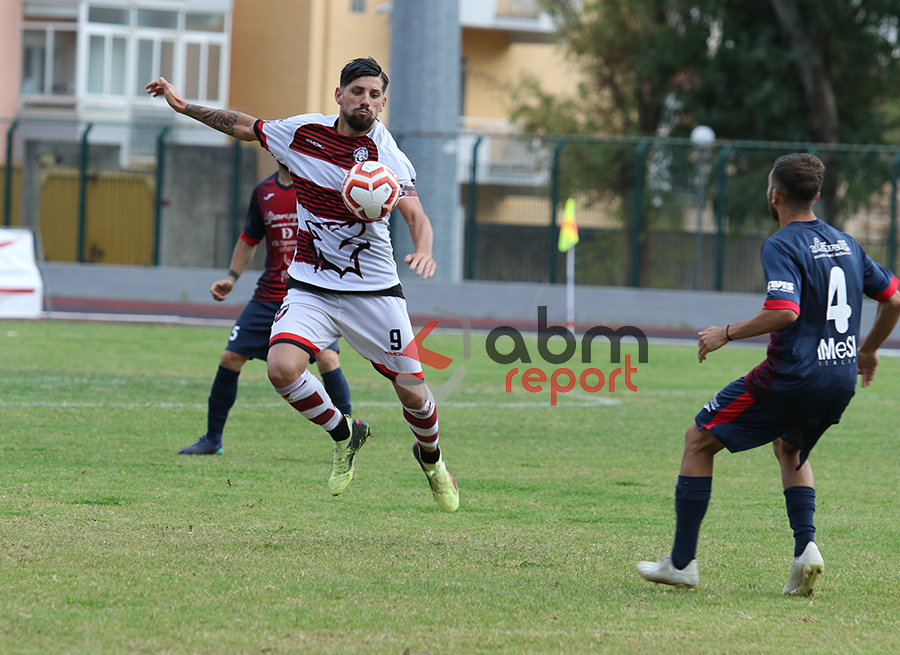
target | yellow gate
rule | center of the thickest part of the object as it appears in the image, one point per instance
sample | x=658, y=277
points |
x=118, y=216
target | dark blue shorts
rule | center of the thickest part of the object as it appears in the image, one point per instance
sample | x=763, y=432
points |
x=798, y=417
x=250, y=335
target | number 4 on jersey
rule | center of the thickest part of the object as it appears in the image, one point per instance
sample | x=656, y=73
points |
x=838, y=309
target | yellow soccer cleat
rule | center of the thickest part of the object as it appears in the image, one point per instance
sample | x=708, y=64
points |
x=443, y=485
x=343, y=461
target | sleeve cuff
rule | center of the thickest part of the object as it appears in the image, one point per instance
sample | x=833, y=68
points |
x=891, y=289
x=257, y=127
x=777, y=303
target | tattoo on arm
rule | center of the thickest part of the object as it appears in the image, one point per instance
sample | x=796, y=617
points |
x=223, y=120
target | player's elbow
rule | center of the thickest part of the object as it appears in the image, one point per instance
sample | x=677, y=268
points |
x=244, y=134
x=891, y=306
x=894, y=301
x=785, y=317
x=244, y=129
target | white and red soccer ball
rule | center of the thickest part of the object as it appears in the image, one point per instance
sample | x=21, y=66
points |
x=370, y=190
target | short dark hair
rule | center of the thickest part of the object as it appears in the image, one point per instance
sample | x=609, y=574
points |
x=798, y=177
x=363, y=67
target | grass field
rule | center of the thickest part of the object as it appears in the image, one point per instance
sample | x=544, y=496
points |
x=110, y=542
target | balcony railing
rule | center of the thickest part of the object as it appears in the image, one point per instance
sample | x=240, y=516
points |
x=518, y=8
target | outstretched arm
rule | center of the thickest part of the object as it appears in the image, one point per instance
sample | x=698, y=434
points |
x=232, y=123
x=421, y=262
x=885, y=321
x=767, y=320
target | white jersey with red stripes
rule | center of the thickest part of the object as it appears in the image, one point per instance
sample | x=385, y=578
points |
x=335, y=250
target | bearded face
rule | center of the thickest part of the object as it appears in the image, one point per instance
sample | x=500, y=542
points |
x=361, y=102
x=359, y=119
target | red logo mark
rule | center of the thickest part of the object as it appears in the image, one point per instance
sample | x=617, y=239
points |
x=415, y=349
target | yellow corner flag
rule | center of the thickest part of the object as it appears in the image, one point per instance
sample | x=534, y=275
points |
x=568, y=231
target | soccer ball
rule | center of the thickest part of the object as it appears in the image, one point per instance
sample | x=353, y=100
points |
x=370, y=190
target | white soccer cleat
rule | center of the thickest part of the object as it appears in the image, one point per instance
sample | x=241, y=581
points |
x=664, y=572
x=805, y=570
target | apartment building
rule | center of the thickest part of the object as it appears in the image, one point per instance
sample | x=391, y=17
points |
x=88, y=60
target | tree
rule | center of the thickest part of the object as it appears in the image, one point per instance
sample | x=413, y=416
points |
x=798, y=70
x=820, y=71
x=635, y=55
x=823, y=71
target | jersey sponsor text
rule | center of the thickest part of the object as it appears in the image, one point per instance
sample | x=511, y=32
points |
x=831, y=351
x=780, y=285
x=825, y=249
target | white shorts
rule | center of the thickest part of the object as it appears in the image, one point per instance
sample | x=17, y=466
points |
x=377, y=327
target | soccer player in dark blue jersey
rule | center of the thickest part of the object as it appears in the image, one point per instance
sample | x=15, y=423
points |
x=816, y=279
x=272, y=216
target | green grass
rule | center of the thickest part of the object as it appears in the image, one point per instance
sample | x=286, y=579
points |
x=112, y=543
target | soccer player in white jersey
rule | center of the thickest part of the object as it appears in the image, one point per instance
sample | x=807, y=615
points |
x=343, y=281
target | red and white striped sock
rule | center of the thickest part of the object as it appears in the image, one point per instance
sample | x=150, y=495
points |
x=424, y=423
x=307, y=396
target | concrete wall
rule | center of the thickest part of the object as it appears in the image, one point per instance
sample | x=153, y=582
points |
x=197, y=216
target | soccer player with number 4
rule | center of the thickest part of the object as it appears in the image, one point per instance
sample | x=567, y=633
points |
x=343, y=280
x=816, y=280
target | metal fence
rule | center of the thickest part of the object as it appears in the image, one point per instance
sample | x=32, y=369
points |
x=651, y=212
x=654, y=212
x=135, y=194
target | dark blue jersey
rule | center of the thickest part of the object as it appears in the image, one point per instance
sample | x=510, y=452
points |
x=272, y=216
x=822, y=274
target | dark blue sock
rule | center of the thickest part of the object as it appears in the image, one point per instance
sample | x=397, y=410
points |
x=801, y=505
x=337, y=389
x=221, y=399
x=691, y=500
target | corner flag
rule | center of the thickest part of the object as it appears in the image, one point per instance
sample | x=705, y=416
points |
x=568, y=231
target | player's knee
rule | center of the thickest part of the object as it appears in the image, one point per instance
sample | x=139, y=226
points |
x=412, y=395
x=690, y=437
x=232, y=361
x=700, y=441
x=283, y=373
x=327, y=360
x=785, y=451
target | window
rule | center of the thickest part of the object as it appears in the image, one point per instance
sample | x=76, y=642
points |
x=119, y=49
x=50, y=12
x=518, y=8
x=62, y=82
x=358, y=6
x=157, y=18
x=107, y=64
x=34, y=61
x=108, y=15
x=204, y=22
x=192, y=71
x=155, y=58
x=48, y=60
x=214, y=55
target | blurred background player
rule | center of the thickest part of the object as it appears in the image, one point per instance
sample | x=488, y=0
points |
x=343, y=280
x=817, y=277
x=273, y=216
